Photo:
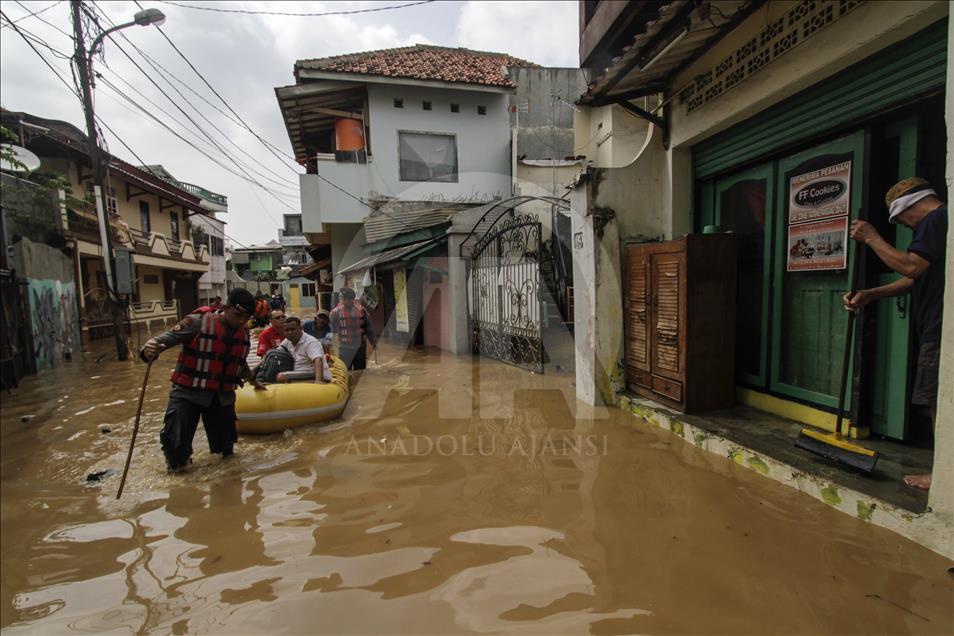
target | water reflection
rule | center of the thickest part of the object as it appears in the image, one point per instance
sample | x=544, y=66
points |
x=322, y=531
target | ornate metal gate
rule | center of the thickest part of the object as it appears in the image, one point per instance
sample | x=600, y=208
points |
x=506, y=306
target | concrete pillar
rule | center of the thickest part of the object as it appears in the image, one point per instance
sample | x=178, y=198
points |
x=459, y=335
x=584, y=295
x=941, y=497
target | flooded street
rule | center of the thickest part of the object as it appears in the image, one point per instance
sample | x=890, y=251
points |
x=430, y=507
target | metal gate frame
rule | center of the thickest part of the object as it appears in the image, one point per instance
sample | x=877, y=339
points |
x=505, y=303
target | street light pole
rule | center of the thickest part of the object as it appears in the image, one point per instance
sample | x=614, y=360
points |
x=84, y=64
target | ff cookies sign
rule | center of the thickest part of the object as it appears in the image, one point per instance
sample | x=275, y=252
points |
x=818, y=207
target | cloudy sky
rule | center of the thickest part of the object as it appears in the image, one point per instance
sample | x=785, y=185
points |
x=244, y=56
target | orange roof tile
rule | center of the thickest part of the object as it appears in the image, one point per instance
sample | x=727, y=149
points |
x=423, y=62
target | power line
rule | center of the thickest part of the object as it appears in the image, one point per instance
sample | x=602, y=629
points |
x=190, y=144
x=98, y=119
x=296, y=15
x=177, y=121
x=193, y=122
x=35, y=13
x=270, y=147
x=29, y=35
x=164, y=73
x=267, y=145
x=44, y=20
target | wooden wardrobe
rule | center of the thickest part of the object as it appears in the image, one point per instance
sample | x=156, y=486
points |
x=680, y=306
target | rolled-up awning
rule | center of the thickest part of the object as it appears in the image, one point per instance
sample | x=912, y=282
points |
x=390, y=256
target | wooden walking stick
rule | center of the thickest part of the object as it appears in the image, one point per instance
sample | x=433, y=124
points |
x=132, y=442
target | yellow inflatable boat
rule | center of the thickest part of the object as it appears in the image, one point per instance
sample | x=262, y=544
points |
x=283, y=406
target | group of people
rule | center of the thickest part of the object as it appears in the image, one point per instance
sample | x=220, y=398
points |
x=264, y=305
x=213, y=363
x=215, y=343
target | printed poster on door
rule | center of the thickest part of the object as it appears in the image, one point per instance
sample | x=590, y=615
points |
x=401, y=322
x=818, y=213
x=818, y=245
x=819, y=194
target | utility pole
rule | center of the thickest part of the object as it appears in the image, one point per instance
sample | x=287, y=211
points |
x=82, y=61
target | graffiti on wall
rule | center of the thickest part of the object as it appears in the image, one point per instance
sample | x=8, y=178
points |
x=54, y=320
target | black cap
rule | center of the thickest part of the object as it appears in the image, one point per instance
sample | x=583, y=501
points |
x=242, y=299
x=347, y=292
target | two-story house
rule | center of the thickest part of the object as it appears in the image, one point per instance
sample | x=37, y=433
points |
x=408, y=136
x=149, y=219
x=421, y=124
x=207, y=230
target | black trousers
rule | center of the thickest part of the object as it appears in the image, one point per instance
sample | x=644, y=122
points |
x=181, y=421
x=354, y=359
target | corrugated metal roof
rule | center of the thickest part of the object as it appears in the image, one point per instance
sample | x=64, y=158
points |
x=387, y=256
x=703, y=29
x=381, y=225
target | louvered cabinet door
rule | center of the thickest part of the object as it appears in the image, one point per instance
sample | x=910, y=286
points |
x=637, y=317
x=668, y=271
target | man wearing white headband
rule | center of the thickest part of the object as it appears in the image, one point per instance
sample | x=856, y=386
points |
x=914, y=204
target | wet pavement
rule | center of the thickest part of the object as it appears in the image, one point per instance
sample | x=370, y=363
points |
x=432, y=506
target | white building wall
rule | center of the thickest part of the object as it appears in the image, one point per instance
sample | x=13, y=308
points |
x=214, y=279
x=483, y=141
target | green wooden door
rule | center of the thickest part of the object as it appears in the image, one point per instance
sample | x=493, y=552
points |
x=889, y=408
x=743, y=204
x=809, y=320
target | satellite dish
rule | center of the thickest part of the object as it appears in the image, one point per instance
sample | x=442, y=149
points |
x=29, y=160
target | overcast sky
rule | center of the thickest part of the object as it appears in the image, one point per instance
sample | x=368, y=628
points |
x=245, y=57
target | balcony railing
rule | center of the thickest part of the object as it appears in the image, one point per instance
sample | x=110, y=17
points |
x=149, y=310
x=202, y=193
x=176, y=248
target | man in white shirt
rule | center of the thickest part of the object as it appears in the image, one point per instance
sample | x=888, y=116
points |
x=307, y=352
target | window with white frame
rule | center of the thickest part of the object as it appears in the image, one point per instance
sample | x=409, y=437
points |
x=428, y=157
x=307, y=289
x=109, y=197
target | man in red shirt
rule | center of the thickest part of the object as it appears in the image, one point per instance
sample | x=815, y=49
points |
x=273, y=334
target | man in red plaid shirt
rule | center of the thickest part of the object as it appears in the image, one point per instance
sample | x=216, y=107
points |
x=351, y=324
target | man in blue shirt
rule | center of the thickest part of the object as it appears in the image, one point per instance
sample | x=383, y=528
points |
x=914, y=204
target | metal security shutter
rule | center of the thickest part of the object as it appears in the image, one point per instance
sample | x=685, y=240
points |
x=903, y=71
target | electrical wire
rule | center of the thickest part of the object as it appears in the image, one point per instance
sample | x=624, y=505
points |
x=197, y=126
x=296, y=15
x=164, y=73
x=33, y=14
x=45, y=21
x=268, y=146
x=165, y=113
x=208, y=156
x=100, y=121
x=29, y=35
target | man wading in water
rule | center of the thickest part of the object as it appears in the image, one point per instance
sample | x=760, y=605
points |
x=352, y=325
x=210, y=367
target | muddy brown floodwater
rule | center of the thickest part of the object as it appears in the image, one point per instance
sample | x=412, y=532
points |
x=431, y=507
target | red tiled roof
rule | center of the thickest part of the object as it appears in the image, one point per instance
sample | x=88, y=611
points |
x=423, y=62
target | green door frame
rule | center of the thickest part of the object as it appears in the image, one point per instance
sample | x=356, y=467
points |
x=765, y=171
x=889, y=415
x=854, y=144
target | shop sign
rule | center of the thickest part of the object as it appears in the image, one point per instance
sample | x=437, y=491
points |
x=819, y=194
x=401, y=321
x=778, y=37
x=818, y=209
